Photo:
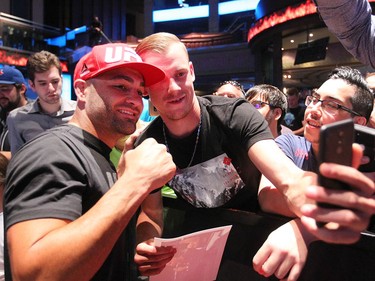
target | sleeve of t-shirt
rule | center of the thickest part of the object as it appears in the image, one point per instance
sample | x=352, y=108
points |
x=246, y=122
x=44, y=181
x=286, y=144
x=15, y=139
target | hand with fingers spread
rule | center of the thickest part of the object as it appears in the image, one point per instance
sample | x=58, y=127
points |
x=151, y=260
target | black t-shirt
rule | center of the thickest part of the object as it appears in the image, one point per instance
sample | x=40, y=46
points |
x=61, y=174
x=294, y=117
x=221, y=173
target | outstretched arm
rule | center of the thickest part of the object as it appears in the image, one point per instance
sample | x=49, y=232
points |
x=352, y=23
x=289, y=180
x=271, y=199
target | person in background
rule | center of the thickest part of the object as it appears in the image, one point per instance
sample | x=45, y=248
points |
x=3, y=167
x=370, y=79
x=68, y=214
x=224, y=140
x=95, y=31
x=12, y=96
x=294, y=116
x=230, y=89
x=48, y=110
x=272, y=104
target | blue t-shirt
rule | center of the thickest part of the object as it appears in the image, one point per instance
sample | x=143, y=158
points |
x=299, y=150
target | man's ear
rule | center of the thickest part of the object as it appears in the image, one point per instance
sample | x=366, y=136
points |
x=79, y=88
x=192, y=70
x=277, y=113
x=23, y=89
x=360, y=120
x=31, y=84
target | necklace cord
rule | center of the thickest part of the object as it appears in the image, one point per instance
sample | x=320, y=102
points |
x=196, y=140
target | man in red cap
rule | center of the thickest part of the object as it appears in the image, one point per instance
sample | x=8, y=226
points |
x=68, y=214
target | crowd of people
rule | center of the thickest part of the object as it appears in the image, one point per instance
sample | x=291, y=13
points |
x=70, y=213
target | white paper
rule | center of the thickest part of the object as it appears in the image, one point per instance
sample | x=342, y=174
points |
x=198, y=255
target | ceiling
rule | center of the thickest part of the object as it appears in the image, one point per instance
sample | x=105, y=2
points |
x=291, y=41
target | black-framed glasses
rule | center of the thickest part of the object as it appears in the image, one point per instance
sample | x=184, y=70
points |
x=329, y=106
x=259, y=104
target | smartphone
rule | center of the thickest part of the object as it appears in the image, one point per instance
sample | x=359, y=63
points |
x=335, y=146
x=366, y=137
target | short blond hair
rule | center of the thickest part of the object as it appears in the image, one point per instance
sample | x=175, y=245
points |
x=158, y=43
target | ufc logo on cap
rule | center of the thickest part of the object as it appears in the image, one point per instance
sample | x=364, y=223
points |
x=119, y=53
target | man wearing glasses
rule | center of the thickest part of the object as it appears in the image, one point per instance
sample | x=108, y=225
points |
x=272, y=104
x=344, y=95
x=12, y=96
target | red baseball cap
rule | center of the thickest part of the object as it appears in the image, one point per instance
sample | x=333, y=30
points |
x=103, y=58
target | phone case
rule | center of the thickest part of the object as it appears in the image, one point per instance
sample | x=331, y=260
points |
x=335, y=146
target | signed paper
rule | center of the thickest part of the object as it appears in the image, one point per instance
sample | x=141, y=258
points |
x=198, y=255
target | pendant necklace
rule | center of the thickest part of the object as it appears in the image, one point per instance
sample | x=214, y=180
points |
x=196, y=140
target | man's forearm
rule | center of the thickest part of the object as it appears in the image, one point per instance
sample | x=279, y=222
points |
x=61, y=250
x=150, y=219
x=148, y=228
